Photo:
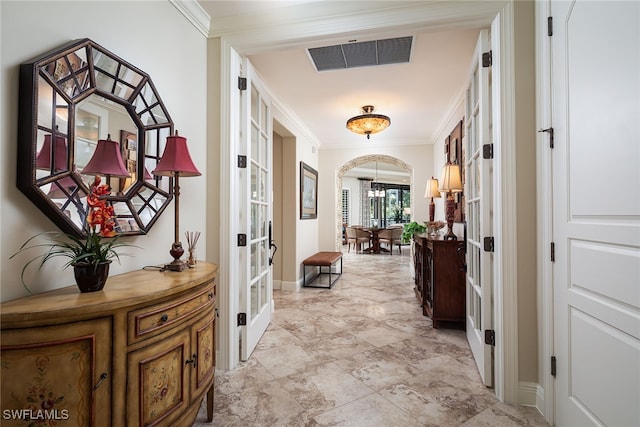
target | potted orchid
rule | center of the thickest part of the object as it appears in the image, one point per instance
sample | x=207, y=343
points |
x=90, y=256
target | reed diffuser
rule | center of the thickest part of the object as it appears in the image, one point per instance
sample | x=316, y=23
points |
x=192, y=239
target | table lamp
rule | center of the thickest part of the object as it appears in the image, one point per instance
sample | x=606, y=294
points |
x=176, y=162
x=430, y=193
x=106, y=160
x=450, y=182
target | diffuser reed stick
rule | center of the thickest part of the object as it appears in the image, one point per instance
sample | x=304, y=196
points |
x=192, y=239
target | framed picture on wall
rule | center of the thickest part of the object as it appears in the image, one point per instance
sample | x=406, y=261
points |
x=454, y=153
x=308, y=192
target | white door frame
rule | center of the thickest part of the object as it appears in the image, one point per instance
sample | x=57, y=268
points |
x=228, y=335
x=505, y=316
x=545, y=400
x=505, y=295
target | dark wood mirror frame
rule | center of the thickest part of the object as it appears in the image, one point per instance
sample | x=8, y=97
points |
x=51, y=87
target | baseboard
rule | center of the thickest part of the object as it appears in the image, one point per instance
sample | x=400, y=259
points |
x=277, y=284
x=531, y=394
x=289, y=286
x=540, y=399
x=527, y=393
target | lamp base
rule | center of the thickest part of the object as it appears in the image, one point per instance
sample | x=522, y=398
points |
x=450, y=212
x=177, y=264
x=450, y=235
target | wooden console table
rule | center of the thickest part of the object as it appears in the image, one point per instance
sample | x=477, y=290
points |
x=141, y=352
x=440, y=278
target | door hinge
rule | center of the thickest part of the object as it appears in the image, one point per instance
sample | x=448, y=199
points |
x=487, y=59
x=242, y=83
x=242, y=239
x=489, y=244
x=553, y=366
x=242, y=319
x=553, y=252
x=490, y=337
x=550, y=26
x=242, y=161
x=487, y=151
x=550, y=132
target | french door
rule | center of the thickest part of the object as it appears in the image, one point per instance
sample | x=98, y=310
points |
x=478, y=191
x=595, y=105
x=256, y=290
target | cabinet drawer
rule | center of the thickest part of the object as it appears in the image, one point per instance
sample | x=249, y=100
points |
x=155, y=319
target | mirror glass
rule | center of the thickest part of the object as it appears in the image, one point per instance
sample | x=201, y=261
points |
x=84, y=112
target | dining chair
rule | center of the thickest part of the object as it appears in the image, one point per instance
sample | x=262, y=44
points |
x=391, y=236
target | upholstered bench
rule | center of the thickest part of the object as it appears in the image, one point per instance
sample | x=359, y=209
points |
x=322, y=259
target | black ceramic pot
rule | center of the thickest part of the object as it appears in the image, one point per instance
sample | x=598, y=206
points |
x=89, y=277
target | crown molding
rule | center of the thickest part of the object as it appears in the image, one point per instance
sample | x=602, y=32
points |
x=195, y=14
x=302, y=24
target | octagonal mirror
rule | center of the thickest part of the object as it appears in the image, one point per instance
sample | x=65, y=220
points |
x=85, y=112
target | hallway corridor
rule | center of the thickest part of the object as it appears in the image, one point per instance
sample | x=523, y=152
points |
x=360, y=354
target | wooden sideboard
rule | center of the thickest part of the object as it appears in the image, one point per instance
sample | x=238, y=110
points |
x=440, y=278
x=141, y=352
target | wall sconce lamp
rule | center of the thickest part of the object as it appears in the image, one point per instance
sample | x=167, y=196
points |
x=176, y=162
x=430, y=193
x=450, y=182
x=106, y=160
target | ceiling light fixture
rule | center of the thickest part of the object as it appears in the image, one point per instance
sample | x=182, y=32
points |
x=368, y=123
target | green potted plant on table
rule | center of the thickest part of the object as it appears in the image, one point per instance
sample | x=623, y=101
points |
x=90, y=256
x=410, y=229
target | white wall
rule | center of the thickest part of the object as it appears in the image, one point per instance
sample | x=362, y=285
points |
x=420, y=157
x=155, y=37
x=306, y=231
x=353, y=185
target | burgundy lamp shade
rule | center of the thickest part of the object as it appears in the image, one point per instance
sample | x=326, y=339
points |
x=43, y=158
x=106, y=160
x=67, y=183
x=176, y=159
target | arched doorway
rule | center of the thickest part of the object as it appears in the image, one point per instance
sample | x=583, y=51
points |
x=358, y=161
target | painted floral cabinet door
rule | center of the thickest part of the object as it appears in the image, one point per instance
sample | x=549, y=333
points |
x=203, y=339
x=64, y=380
x=158, y=378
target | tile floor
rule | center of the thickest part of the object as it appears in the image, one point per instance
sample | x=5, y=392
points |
x=359, y=354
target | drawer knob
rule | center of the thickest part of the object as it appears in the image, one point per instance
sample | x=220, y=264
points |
x=164, y=318
x=210, y=295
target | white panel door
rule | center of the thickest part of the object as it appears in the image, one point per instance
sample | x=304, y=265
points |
x=256, y=291
x=595, y=74
x=478, y=191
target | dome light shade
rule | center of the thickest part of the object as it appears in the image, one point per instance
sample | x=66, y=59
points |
x=368, y=123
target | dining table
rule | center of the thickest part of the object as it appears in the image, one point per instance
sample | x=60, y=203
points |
x=375, y=247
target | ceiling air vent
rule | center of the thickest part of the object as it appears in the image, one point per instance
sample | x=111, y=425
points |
x=362, y=54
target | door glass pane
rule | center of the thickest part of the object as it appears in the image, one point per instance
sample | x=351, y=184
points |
x=263, y=290
x=255, y=149
x=254, y=182
x=254, y=221
x=263, y=221
x=254, y=299
x=264, y=258
x=254, y=103
x=263, y=150
x=263, y=114
x=254, y=260
x=263, y=185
